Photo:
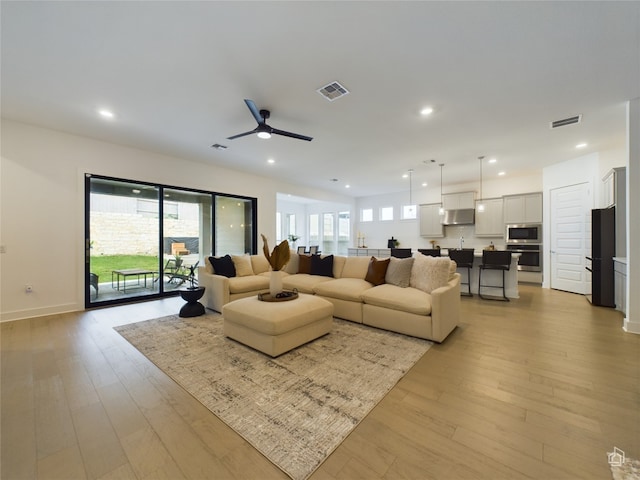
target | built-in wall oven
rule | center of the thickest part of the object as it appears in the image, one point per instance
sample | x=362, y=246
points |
x=526, y=239
x=530, y=256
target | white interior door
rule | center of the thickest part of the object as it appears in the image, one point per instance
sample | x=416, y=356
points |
x=570, y=238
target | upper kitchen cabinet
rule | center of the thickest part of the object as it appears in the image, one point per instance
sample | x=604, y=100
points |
x=489, y=221
x=523, y=208
x=614, y=188
x=458, y=201
x=615, y=195
x=431, y=221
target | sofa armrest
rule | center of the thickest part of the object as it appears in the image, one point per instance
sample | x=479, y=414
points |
x=216, y=293
x=445, y=309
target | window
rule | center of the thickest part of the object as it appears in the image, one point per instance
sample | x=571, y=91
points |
x=314, y=229
x=386, y=214
x=409, y=212
x=344, y=232
x=366, y=215
x=292, y=224
x=328, y=232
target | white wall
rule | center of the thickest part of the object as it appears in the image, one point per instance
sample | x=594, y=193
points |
x=42, y=208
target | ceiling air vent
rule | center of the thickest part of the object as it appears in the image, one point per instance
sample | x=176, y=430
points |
x=333, y=91
x=566, y=121
x=217, y=146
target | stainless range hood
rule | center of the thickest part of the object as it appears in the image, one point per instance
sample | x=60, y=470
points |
x=465, y=216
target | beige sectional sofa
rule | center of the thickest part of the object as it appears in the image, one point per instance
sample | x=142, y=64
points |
x=404, y=309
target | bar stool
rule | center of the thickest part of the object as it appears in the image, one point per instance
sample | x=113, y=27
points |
x=494, y=260
x=432, y=252
x=464, y=259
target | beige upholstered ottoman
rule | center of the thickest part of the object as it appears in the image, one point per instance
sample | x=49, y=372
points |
x=277, y=327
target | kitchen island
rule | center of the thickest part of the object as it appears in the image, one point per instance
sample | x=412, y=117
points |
x=491, y=277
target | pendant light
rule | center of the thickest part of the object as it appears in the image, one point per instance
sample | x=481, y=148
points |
x=441, y=211
x=480, y=207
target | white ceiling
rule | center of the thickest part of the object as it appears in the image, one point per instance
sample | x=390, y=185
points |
x=176, y=74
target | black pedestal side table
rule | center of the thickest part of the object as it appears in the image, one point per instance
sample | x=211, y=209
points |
x=193, y=308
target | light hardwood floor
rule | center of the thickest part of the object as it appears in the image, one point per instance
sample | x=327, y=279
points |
x=541, y=387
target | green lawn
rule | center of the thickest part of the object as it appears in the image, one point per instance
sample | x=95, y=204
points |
x=102, y=265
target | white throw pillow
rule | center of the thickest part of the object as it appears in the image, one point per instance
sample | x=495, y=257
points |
x=429, y=273
x=243, y=265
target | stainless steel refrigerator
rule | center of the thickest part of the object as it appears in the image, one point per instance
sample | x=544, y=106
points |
x=603, y=249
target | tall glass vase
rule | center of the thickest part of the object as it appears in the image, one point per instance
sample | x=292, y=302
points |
x=275, y=282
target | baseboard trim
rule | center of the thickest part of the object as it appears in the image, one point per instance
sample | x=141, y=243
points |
x=38, y=312
x=631, y=326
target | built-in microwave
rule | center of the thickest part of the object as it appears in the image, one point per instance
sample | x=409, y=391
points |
x=524, y=233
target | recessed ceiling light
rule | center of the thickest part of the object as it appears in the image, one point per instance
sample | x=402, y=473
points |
x=104, y=113
x=581, y=145
x=424, y=184
x=492, y=160
x=502, y=173
x=347, y=186
x=135, y=190
x=426, y=111
x=271, y=160
x=405, y=175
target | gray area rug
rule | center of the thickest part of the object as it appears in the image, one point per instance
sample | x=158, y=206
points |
x=295, y=409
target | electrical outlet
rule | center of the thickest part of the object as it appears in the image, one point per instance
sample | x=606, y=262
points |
x=28, y=288
x=3, y=249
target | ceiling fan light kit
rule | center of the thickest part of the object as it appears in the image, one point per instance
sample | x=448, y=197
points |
x=263, y=130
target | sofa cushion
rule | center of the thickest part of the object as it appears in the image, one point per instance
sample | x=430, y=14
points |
x=338, y=265
x=242, y=264
x=393, y=297
x=303, y=282
x=399, y=271
x=377, y=271
x=453, y=268
x=355, y=267
x=223, y=266
x=350, y=289
x=304, y=264
x=250, y=283
x=322, y=265
x=260, y=264
x=293, y=264
x=429, y=273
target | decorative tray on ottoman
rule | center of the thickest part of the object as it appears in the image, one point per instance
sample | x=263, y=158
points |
x=284, y=296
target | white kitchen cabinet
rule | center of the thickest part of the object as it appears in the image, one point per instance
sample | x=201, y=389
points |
x=523, y=208
x=431, y=221
x=614, y=195
x=490, y=223
x=620, y=283
x=457, y=201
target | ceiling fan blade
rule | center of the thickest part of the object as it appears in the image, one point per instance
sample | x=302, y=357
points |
x=242, y=134
x=254, y=111
x=292, y=135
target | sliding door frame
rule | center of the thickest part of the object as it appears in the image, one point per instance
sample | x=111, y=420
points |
x=250, y=237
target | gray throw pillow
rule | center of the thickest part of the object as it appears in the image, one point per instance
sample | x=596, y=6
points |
x=399, y=271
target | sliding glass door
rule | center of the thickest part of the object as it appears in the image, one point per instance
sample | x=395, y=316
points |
x=186, y=236
x=145, y=241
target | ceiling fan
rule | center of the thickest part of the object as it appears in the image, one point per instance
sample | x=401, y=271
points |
x=263, y=130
